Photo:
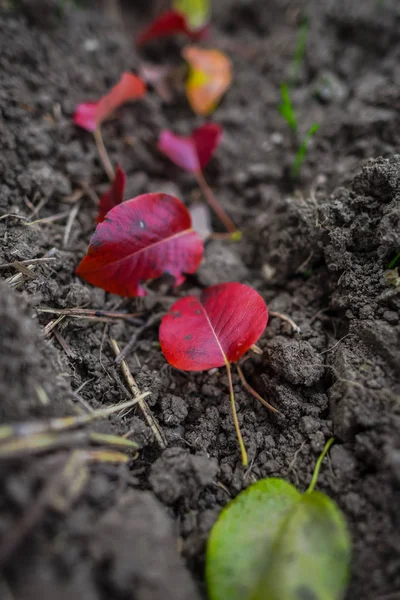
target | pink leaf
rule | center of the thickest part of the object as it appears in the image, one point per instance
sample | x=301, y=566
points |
x=85, y=116
x=90, y=115
x=114, y=195
x=193, y=152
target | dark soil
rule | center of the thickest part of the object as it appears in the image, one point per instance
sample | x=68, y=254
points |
x=315, y=251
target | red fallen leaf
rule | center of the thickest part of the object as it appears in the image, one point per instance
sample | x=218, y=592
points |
x=113, y=196
x=219, y=326
x=91, y=114
x=170, y=23
x=85, y=116
x=215, y=329
x=192, y=154
x=141, y=239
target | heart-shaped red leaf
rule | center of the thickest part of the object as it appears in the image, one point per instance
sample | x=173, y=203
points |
x=169, y=23
x=193, y=152
x=114, y=195
x=91, y=114
x=200, y=333
x=139, y=240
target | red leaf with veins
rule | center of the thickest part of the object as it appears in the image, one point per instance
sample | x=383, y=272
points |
x=169, y=23
x=113, y=196
x=193, y=152
x=219, y=326
x=139, y=240
x=91, y=114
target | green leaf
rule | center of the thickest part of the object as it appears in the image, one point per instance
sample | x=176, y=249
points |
x=197, y=12
x=310, y=558
x=273, y=543
x=302, y=151
x=286, y=108
x=243, y=536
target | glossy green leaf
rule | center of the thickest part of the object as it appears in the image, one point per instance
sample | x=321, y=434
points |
x=197, y=12
x=273, y=543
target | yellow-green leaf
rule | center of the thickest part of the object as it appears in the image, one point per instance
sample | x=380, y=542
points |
x=197, y=12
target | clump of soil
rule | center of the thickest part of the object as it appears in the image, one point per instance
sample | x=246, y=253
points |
x=316, y=249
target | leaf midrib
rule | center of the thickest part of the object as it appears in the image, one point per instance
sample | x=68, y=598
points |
x=163, y=241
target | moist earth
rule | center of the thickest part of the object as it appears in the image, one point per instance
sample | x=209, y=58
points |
x=317, y=249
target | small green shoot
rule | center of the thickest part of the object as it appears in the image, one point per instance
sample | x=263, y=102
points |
x=274, y=543
x=286, y=108
x=302, y=151
x=299, y=53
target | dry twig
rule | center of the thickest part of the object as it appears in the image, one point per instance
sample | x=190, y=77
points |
x=137, y=394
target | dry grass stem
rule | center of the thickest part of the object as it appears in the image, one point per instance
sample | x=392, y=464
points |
x=136, y=393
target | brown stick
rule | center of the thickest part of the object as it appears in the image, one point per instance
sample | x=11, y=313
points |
x=296, y=328
x=136, y=393
x=109, y=169
x=213, y=202
x=253, y=392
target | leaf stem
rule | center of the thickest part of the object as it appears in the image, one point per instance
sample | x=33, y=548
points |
x=253, y=392
x=109, y=169
x=318, y=465
x=245, y=461
x=213, y=202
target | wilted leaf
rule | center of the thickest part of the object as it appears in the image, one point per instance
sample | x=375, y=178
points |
x=90, y=115
x=209, y=77
x=139, y=240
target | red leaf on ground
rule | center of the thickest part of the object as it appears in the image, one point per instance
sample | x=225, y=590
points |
x=85, y=116
x=206, y=139
x=219, y=326
x=113, y=196
x=193, y=152
x=91, y=114
x=169, y=23
x=139, y=240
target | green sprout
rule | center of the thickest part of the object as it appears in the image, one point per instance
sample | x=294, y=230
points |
x=286, y=108
x=299, y=52
x=302, y=151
